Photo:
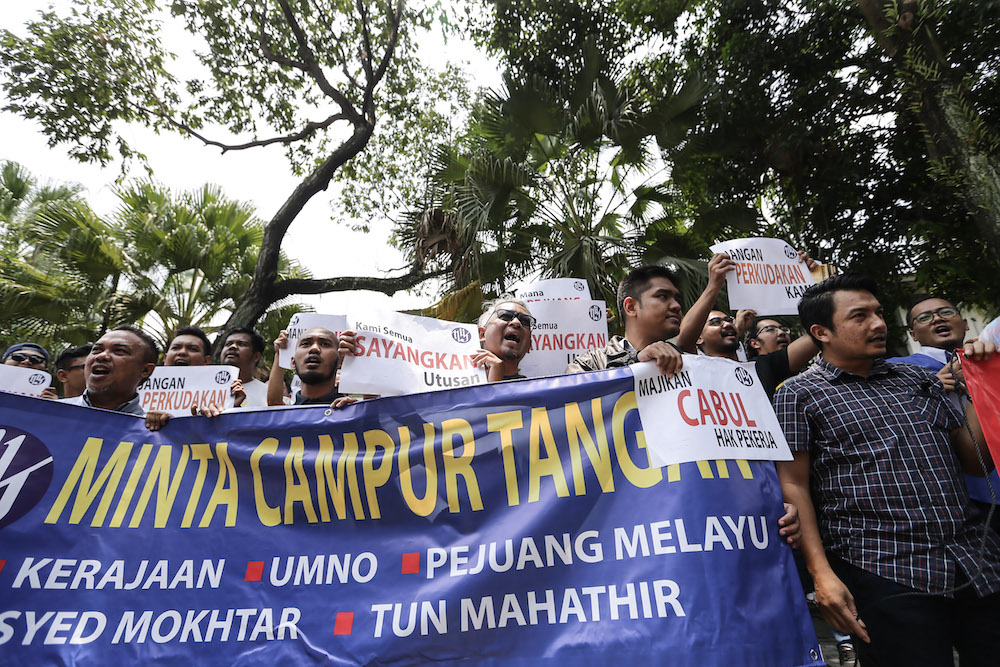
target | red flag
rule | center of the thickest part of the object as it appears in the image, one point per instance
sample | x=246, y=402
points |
x=983, y=380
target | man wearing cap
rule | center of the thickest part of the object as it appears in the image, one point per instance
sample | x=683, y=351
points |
x=32, y=356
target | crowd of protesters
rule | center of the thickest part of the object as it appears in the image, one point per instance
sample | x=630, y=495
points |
x=887, y=452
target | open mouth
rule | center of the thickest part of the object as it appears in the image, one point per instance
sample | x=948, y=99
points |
x=877, y=339
x=942, y=330
x=513, y=336
x=99, y=371
x=181, y=362
x=313, y=360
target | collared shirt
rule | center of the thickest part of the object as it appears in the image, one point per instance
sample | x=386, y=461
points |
x=885, y=480
x=131, y=406
x=326, y=399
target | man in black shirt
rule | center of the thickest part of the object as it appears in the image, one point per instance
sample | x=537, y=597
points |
x=315, y=361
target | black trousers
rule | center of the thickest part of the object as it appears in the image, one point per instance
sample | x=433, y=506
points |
x=922, y=629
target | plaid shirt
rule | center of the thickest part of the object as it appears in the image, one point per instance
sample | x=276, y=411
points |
x=884, y=478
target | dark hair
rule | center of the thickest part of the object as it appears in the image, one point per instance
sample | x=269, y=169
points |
x=66, y=357
x=637, y=281
x=152, y=351
x=916, y=301
x=256, y=340
x=191, y=330
x=816, y=306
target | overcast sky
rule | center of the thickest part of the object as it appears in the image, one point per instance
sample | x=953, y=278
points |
x=260, y=176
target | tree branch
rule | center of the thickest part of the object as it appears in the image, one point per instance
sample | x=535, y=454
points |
x=395, y=18
x=307, y=56
x=309, y=129
x=388, y=286
x=266, y=50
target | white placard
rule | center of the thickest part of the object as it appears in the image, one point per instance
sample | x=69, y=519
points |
x=21, y=380
x=565, y=330
x=406, y=354
x=769, y=277
x=713, y=408
x=301, y=322
x=555, y=289
x=174, y=389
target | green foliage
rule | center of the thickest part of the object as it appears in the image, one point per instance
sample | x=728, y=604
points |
x=160, y=260
x=550, y=179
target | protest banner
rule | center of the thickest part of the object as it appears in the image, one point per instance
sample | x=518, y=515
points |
x=405, y=354
x=555, y=289
x=983, y=380
x=713, y=408
x=301, y=322
x=174, y=389
x=21, y=380
x=769, y=278
x=564, y=329
x=514, y=524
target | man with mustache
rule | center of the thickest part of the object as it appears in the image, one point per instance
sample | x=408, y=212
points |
x=243, y=348
x=887, y=534
x=118, y=362
x=505, y=336
x=715, y=333
x=315, y=361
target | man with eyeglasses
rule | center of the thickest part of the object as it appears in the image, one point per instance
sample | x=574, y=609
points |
x=30, y=355
x=69, y=370
x=940, y=328
x=505, y=336
x=714, y=332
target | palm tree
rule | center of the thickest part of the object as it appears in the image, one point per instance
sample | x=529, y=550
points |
x=159, y=260
x=553, y=181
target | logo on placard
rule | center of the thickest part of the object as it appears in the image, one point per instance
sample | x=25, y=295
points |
x=222, y=377
x=36, y=379
x=595, y=313
x=294, y=320
x=578, y=285
x=25, y=473
x=461, y=335
x=744, y=377
x=790, y=252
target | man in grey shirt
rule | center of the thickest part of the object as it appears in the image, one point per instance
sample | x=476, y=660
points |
x=118, y=362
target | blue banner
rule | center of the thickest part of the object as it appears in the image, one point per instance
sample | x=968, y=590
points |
x=514, y=523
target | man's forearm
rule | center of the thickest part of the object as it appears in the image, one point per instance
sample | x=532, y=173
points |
x=694, y=320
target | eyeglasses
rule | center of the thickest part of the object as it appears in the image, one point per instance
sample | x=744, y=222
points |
x=18, y=358
x=946, y=312
x=74, y=367
x=717, y=321
x=504, y=315
x=771, y=327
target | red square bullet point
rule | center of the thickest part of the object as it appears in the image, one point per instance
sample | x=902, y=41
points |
x=255, y=570
x=2, y=563
x=344, y=623
x=411, y=563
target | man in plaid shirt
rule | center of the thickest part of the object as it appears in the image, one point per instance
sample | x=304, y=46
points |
x=896, y=557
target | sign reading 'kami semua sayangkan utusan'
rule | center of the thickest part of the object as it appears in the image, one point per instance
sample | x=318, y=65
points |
x=506, y=524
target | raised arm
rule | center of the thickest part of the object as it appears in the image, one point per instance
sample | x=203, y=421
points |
x=697, y=315
x=276, y=380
